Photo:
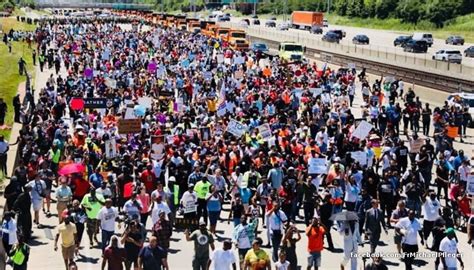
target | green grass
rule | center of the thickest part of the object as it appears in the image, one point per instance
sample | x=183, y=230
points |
x=10, y=79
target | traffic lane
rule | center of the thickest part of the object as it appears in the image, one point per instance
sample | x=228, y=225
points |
x=383, y=44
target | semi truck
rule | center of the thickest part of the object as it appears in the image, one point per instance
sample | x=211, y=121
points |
x=306, y=19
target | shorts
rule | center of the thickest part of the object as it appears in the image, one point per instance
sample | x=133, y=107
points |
x=92, y=226
x=68, y=252
x=397, y=238
x=314, y=259
x=37, y=204
x=213, y=217
x=47, y=193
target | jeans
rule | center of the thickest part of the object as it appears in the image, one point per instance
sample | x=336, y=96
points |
x=202, y=209
x=106, y=235
x=276, y=240
x=200, y=263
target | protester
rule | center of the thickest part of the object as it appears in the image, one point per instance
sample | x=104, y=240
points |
x=203, y=240
x=257, y=258
x=409, y=227
x=315, y=233
x=114, y=255
x=153, y=256
x=20, y=254
x=68, y=233
x=9, y=231
x=107, y=217
x=223, y=258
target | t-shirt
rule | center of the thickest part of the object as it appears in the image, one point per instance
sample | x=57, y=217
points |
x=282, y=265
x=431, y=209
x=132, y=208
x=67, y=234
x=409, y=229
x=115, y=258
x=152, y=257
x=449, y=249
x=202, y=189
x=315, y=238
x=38, y=188
x=222, y=259
x=257, y=259
x=107, y=218
x=92, y=206
x=202, y=240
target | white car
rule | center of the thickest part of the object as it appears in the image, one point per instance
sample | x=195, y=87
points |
x=452, y=56
x=283, y=26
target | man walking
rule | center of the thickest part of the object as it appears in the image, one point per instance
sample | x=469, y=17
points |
x=3, y=112
x=315, y=233
x=276, y=219
x=153, y=257
x=408, y=228
x=4, y=147
x=223, y=259
x=68, y=232
x=17, y=108
x=107, y=217
x=202, y=241
x=374, y=222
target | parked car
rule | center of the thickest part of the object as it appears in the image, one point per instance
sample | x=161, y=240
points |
x=316, y=29
x=416, y=46
x=283, y=26
x=401, y=40
x=424, y=37
x=455, y=40
x=469, y=52
x=340, y=33
x=325, y=23
x=256, y=22
x=360, y=39
x=331, y=37
x=259, y=47
x=452, y=56
x=270, y=23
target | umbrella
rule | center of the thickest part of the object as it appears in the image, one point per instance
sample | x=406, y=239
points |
x=344, y=216
x=140, y=110
x=72, y=168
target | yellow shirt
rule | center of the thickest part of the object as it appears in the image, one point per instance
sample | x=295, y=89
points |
x=257, y=260
x=67, y=234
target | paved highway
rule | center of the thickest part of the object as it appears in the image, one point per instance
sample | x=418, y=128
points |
x=379, y=39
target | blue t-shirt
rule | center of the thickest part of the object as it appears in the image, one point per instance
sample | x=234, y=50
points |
x=245, y=195
x=96, y=180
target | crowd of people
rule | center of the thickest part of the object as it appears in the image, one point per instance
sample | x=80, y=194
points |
x=161, y=129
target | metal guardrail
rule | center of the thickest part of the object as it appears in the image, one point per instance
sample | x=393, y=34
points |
x=120, y=6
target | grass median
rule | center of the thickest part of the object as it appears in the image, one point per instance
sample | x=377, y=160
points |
x=9, y=76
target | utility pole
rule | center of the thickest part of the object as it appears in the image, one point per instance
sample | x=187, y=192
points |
x=255, y=7
x=285, y=10
x=329, y=6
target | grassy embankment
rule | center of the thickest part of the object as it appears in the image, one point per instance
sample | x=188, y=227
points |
x=9, y=76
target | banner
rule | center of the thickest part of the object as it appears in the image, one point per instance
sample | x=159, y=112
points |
x=126, y=126
x=317, y=166
x=362, y=130
x=236, y=128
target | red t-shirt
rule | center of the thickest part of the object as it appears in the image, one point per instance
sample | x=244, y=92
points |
x=115, y=258
x=82, y=187
x=149, y=179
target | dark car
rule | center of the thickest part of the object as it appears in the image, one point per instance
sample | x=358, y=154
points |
x=254, y=17
x=331, y=37
x=401, y=40
x=259, y=47
x=340, y=33
x=455, y=40
x=360, y=39
x=270, y=23
x=315, y=29
x=469, y=52
x=416, y=46
x=256, y=22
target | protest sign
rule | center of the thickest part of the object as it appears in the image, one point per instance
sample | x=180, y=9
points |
x=239, y=74
x=351, y=65
x=95, y=103
x=126, y=126
x=265, y=131
x=415, y=145
x=110, y=149
x=360, y=156
x=236, y=128
x=470, y=185
x=317, y=166
x=205, y=133
x=222, y=109
x=145, y=101
x=362, y=130
x=239, y=60
x=316, y=91
x=157, y=151
x=111, y=83
x=220, y=58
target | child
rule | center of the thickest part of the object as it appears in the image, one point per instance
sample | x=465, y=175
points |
x=282, y=264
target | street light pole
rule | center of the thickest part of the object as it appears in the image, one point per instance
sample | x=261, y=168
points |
x=255, y=7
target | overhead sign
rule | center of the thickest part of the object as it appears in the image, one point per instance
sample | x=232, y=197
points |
x=126, y=126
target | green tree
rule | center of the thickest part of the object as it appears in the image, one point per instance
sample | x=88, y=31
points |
x=341, y=7
x=370, y=7
x=385, y=8
x=410, y=11
x=438, y=12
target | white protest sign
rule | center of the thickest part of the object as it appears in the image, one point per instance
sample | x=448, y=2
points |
x=236, y=128
x=265, y=131
x=360, y=156
x=239, y=60
x=158, y=149
x=145, y=101
x=111, y=83
x=129, y=113
x=110, y=149
x=317, y=166
x=316, y=91
x=222, y=110
x=220, y=58
x=362, y=130
x=470, y=185
x=351, y=65
x=298, y=92
x=239, y=74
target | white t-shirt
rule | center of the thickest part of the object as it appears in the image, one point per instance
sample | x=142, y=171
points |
x=132, y=209
x=449, y=247
x=222, y=259
x=276, y=221
x=157, y=209
x=410, y=230
x=431, y=209
x=282, y=266
x=107, y=218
